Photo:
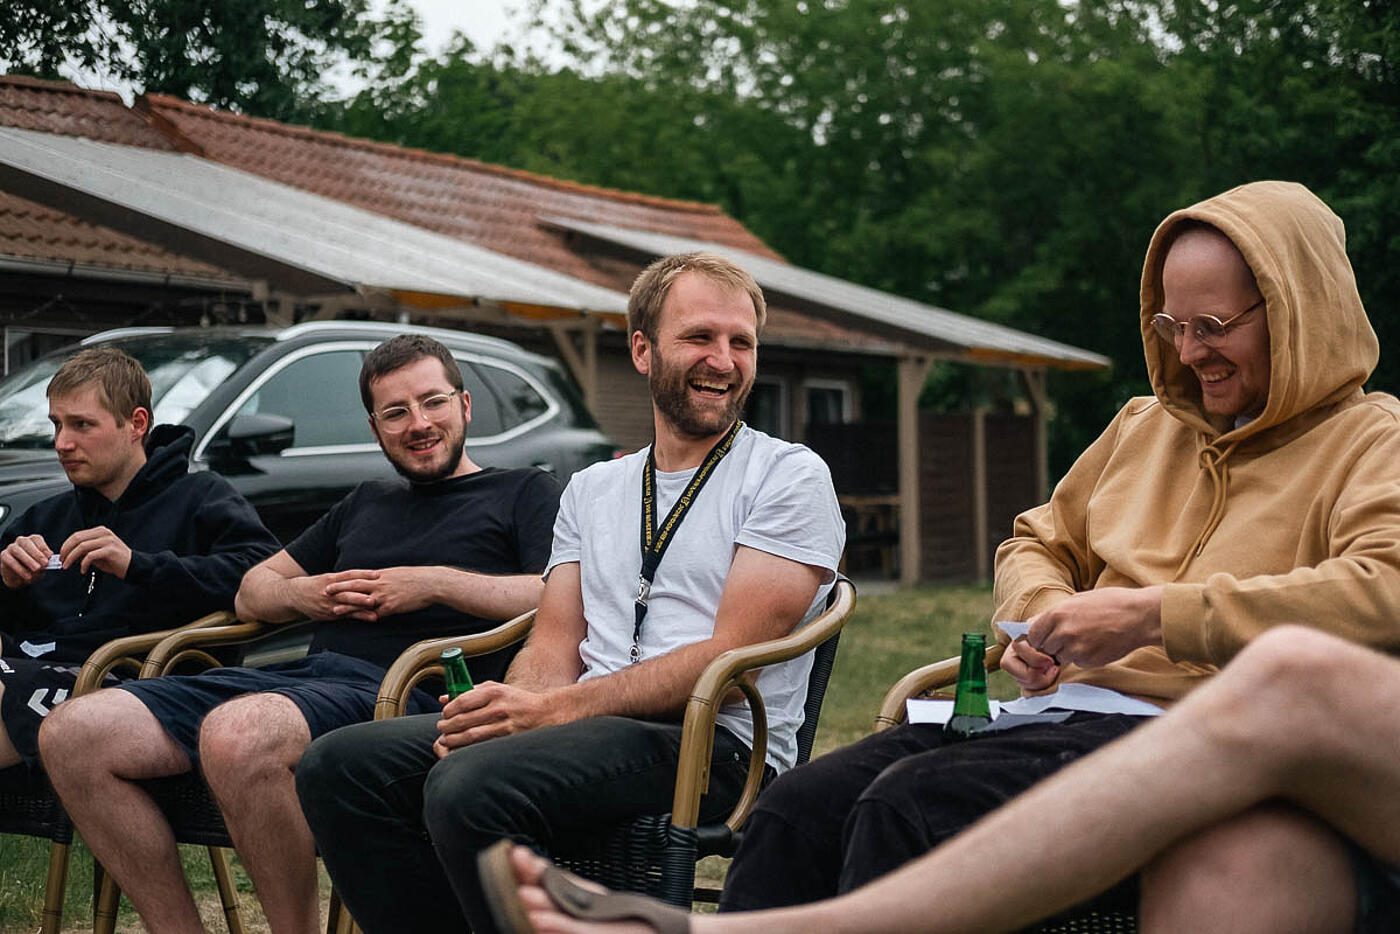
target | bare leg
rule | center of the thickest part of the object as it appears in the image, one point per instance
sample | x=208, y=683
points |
x=94, y=748
x=1285, y=720
x=8, y=755
x=248, y=751
x=1272, y=870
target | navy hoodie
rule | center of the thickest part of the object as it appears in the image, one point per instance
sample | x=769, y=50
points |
x=192, y=538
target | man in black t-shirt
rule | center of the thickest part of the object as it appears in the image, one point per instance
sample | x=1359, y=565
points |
x=453, y=550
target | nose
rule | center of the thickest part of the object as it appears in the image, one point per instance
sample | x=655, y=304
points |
x=62, y=441
x=417, y=417
x=721, y=357
x=1190, y=350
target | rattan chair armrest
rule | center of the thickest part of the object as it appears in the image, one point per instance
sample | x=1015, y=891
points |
x=131, y=648
x=172, y=647
x=725, y=672
x=922, y=680
x=420, y=660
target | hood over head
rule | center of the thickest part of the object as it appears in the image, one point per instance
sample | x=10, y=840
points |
x=1322, y=347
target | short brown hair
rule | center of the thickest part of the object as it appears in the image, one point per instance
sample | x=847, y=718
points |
x=654, y=284
x=122, y=385
x=398, y=352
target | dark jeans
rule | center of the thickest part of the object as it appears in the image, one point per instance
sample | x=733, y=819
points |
x=860, y=812
x=399, y=829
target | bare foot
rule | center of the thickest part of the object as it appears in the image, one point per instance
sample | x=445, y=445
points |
x=548, y=919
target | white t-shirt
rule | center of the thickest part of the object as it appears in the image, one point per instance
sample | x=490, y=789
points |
x=765, y=494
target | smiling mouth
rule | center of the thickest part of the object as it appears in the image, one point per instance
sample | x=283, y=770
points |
x=421, y=445
x=1214, y=377
x=715, y=389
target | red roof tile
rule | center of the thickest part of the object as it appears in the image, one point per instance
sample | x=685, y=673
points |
x=491, y=206
x=33, y=231
x=64, y=108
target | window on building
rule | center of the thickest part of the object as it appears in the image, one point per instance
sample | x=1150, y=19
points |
x=829, y=402
x=767, y=408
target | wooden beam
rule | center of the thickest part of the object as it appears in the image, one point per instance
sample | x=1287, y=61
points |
x=911, y=371
x=583, y=365
x=980, y=535
x=1034, y=381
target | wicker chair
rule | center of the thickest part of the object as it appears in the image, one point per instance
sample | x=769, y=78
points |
x=28, y=805
x=657, y=854
x=185, y=799
x=1113, y=912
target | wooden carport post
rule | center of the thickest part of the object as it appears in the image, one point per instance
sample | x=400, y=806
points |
x=912, y=371
x=583, y=364
x=1034, y=381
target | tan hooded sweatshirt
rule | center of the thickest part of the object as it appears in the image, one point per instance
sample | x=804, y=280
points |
x=1291, y=518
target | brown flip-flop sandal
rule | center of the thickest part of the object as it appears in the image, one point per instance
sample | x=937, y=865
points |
x=571, y=898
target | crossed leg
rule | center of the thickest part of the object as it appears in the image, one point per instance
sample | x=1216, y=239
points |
x=1299, y=717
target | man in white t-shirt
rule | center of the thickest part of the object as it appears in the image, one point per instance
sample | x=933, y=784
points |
x=641, y=594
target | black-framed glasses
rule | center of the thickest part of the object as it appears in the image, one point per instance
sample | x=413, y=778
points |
x=397, y=417
x=1208, y=329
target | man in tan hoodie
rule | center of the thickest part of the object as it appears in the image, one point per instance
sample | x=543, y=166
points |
x=1258, y=486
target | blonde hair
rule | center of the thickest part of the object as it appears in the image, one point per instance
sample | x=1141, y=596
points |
x=654, y=284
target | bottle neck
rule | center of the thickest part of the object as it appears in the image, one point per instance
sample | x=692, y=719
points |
x=971, y=698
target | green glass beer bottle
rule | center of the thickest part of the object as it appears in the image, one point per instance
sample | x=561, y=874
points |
x=971, y=712
x=459, y=680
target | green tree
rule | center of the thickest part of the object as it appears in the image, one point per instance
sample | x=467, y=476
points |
x=263, y=57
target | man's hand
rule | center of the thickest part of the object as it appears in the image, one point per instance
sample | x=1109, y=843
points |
x=23, y=560
x=99, y=548
x=312, y=596
x=1096, y=627
x=372, y=595
x=1034, y=671
x=489, y=710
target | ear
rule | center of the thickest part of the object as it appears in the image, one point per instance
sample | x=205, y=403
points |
x=466, y=407
x=140, y=422
x=641, y=353
x=374, y=429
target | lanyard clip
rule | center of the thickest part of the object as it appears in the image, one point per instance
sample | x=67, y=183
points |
x=643, y=591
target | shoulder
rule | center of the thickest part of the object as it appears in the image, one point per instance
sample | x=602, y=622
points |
x=607, y=473
x=763, y=454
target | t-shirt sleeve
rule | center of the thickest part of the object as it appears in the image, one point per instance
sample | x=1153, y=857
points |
x=795, y=514
x=568, y=545
x=536, y=506
x=317, y=548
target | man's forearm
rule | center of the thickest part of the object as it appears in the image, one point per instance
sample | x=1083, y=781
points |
x=490, y=596
x=656, y=688
x=268, y=597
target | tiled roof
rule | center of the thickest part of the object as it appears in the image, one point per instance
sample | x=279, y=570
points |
x=32, y=231
x=61, y=107
x=491, y=206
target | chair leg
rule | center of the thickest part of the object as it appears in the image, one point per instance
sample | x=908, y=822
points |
x=106, y=896
x=228, y=892
x=54, y=888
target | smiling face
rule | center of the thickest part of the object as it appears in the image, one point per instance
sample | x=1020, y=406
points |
x=701, y=365
x=1205, y=274
x=424, y=449
x=94, y=450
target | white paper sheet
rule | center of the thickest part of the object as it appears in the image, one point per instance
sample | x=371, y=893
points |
x=1083, y=697
x=1014, y=630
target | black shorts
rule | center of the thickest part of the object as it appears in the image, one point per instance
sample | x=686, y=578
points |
x=1377, y=893
x=32, y=688
x=331, y=690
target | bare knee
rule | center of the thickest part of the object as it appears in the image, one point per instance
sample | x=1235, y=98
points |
x=96, y=732
x=1288, y=659
x=251, y=738
x=1273, y=869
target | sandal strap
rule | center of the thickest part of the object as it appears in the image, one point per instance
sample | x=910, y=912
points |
x=588, y=905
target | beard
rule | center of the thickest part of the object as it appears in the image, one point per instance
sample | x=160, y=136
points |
x=670, y=392
x=454, y=440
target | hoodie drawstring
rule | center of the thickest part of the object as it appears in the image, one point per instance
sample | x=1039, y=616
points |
x=1213, y=462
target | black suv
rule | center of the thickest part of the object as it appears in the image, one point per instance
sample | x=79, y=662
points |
x=278, y=412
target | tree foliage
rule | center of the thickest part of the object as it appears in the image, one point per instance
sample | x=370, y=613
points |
x=266, y=57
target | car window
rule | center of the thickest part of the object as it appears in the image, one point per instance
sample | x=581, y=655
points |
x=319, y=393
x=486, y=411
x=519, y=400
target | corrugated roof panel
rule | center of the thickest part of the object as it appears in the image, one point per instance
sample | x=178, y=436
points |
x=988, y=342
x=290, y=226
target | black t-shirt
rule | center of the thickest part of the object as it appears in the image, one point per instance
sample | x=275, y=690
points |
x=493, y=522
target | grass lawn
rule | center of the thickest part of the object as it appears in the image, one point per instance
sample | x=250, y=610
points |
x=889, y=635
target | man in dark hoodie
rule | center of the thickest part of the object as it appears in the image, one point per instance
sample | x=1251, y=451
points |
x=139, y=544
